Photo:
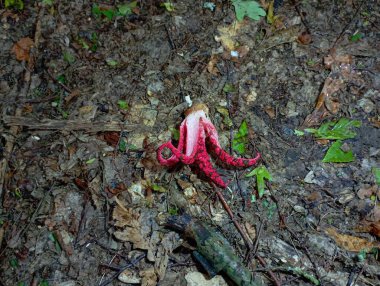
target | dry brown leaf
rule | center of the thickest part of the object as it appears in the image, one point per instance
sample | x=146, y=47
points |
x=370, y=227
x=349, y=242
x=228, y=34
x=270, y=111
x=22, y=49
x=211, y=66
x=148, y=277
x=251, y=230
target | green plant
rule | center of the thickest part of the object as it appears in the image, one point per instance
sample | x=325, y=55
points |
x=241, y=138
x=261, y=174
x=335, y=154
x=248, y=8
x=15, y=4
x=111, y=13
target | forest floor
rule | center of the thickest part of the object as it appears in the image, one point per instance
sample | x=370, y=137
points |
x=89, y=91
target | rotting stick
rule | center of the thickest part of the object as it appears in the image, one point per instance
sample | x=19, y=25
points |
x=244, y=235
x=67, y=125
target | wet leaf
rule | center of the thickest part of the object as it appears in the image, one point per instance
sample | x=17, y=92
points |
x=336, y=155
x=261, y=174
x=241, y=138
x=248, y=8
x=336, y=130
x=349, y=242
x=22, y=49
x=123, y=145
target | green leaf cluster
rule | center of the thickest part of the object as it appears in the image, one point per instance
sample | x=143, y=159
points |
x=241, y=138
x=248, y=8
x=110, y=14
x=336, y=130
x=14, y=4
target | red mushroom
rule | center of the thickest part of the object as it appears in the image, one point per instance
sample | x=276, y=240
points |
x=195, y=132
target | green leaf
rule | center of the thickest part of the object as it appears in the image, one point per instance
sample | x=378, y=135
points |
x=168, y=6
x=173, y=210
x=16, y=4
x=67, y=57
x=261, y=174
x=90, y=161
x=122, y=145
x=122, y=104
x=175, y=133
x=48, y=2
x=226, y=116
x=336, y=130
x=108, y=13
x=336, y=155
x=241, y=138
x=61, y=78
x=356, y=37
x=112, y=63
x=158, y=188
x=13, y=262
x=248, y=8
x=229, y=88
x=299, y=132
x=43, y=283
x=376, y=173
x=54, y=239
x=126, y=9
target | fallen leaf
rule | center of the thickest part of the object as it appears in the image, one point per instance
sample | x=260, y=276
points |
x=270, y=111
x=112, y=138
x=336, y=155
x=304, y=38
x=22, y=49
x=148, y=277
x=228, y=34
x=211, y=66
x=366, y=191
x=351, y=243
x=370, y=227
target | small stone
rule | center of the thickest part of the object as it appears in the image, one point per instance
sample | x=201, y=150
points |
x=309, y=179
x=129, y=276
x=366, y=104
x=300, y=209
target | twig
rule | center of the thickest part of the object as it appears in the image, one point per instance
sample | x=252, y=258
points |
x=129, y=265
x=67, y=125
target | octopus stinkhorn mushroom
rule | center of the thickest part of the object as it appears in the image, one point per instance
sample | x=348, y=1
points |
x=198, y=136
